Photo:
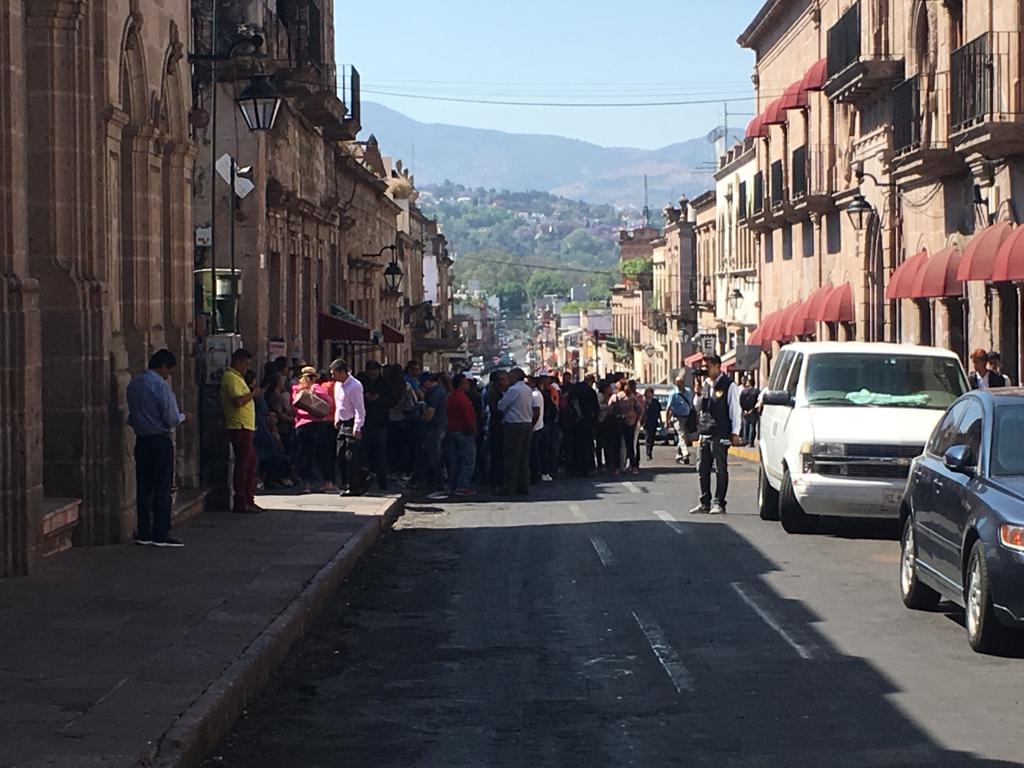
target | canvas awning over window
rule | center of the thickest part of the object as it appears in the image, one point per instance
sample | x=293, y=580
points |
x=693, y=360
x=838, y=308
x=337, y=328
x=979, y=259
x=1009, y=264
x=901, y=282
x=936, y=278
x=391, y=335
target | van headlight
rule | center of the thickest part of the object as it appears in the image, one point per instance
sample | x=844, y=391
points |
x=823, y=449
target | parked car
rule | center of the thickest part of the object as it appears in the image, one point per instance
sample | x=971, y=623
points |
x=666, y=434
x=841, y=424
x=963, y=518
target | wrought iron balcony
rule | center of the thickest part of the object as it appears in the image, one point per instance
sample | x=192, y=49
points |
x=857, y=71
x=798, y=172
x=906, y=114
x=655, y=320
x=778, y=184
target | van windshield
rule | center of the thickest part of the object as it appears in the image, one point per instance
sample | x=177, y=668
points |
x=904, y=381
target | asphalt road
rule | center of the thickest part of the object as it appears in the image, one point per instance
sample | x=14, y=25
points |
x=598, y=624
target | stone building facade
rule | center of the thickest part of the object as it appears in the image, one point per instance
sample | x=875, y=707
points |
x=96, y=161
x=889, y=165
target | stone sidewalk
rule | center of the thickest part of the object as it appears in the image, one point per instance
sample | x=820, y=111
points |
x=139, y=656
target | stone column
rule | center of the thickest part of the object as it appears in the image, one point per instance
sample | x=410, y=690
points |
x=21, y=467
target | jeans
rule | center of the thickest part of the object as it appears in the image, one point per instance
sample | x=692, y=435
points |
x=432, y=440
x=244, y=480
x=154, y=473
x=750, y=424
x=462, y=448
x=650, y=433
x=537, y=450
x=400, y=444
x=516, y=459
x=629, y=438
x=713, y=451
x=316, y=451
x=349, y=461
x=494, y=450
x=375, y=452
x=553, y=446
x=582, y=451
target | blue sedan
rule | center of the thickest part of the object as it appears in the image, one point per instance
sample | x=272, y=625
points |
x=963, y=518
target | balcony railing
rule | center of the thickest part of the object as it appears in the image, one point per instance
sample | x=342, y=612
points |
x=656, y=320
x=906, y=114
x=844, y=41
x=741, y=202
x=350, y=94
x=758, y=192
x=778, y=184
x=973, y=78
x=798, y=172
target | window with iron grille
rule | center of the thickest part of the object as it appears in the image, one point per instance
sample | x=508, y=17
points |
x=798, y=187
x=787, y=242
x=777, y=183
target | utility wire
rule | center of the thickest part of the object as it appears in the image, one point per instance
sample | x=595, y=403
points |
x=550, y=267
x=498, y=102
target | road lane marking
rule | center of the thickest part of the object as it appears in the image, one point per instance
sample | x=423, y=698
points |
x=802, y=651
x=670, y=521
x=633, y=488
x=577, y=512
x=607, y=558
x=666, y=655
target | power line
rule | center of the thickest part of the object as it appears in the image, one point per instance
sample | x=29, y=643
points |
x=550, y=267
x=498, y=102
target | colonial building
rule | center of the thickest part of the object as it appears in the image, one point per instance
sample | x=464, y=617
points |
x=888, y=145
x=96, y=161
x=705, y=222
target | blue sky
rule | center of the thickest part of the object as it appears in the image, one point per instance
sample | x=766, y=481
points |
x=559, y=50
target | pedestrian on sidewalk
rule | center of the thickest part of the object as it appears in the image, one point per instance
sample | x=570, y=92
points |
x=496, y=388
x=435, y=422
x=652, y=419
x=549, y=390
x=749, y=397
x=379, y=398
x=461, y=436
x=720, y=418
x=983, y=377
x=518, y=418
x=537, y=435
x=315, y=435
x=153, y=414
x=349, y=417
x=684, y=419
x=584, y=408
x=236, y=398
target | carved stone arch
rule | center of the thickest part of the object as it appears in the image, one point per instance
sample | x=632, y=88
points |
x=173, y=110
x=923, y=37
x=133, y=90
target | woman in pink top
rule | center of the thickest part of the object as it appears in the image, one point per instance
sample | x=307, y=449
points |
x=315, y=434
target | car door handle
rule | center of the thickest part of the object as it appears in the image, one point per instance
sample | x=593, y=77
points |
x=939, y=486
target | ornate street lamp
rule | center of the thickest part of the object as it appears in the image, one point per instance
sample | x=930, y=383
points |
x=393, y=277
x=859, y=210
x=429, y=320
x=259, y=103
x=735, y=297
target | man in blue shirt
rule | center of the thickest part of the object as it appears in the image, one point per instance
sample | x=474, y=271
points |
x=153, y=414
x=680, y=410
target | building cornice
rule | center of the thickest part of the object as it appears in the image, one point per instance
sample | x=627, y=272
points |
x=703, y=201
x=749, y=37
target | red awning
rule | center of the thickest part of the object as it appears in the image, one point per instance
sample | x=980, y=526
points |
x=979, y=257
x=795, y=320
x=755, y=128
x=755, y=336
x=815, y=304
x=937, y=276
x=728, y=365
x=334, y=328
x=1009, y=264
x=795, y=97
x=774, y=114
x=816, y=76
x=839, y=305
x=901, y=282
x=392, y=336
x=770, y=327
x=692, y=360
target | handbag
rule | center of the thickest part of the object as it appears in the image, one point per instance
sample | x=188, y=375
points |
x=313, y=404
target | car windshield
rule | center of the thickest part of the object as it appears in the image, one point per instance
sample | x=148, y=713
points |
x=1007, y=457
x=905, y=381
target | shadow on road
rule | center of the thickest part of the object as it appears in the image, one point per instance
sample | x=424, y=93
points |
x=585, y=644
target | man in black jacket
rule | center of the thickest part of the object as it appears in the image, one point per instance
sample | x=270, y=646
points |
x=719, y=421
x=584, y=408
x=379, y=398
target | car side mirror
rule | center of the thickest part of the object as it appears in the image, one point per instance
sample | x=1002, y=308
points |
x=777, y=397
x=960, y=458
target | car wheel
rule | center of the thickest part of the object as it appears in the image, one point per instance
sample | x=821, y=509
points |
x=793, y=517
x=916, y=595
x=767, y=497
x=984, y=631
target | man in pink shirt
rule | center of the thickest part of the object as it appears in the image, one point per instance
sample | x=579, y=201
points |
x=349, y=416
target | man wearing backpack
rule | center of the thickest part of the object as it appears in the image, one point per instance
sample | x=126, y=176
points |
x=751, y=413
x=684, y=419
x=719, y=421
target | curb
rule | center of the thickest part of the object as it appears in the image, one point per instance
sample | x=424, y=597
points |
x=198, y=730
x=747, y=454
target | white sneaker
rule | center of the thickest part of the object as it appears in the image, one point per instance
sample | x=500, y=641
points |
x=437, y=495
x=546, y=478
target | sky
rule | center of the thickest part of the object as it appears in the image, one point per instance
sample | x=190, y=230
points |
x=556, y=51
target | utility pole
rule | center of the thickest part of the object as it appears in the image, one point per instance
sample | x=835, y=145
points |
x=647, y=208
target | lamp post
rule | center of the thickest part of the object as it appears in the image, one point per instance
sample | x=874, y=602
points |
x=259, y=102
x=860, y=211
x=735, y=297
x=393, y=277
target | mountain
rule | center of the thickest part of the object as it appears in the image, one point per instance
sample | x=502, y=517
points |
x=517, y=161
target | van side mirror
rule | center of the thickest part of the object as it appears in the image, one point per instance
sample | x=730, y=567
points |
x=777, y=397
x=960, y=458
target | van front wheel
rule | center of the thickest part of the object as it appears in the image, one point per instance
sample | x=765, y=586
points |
x=793, y=517
x=767, y=497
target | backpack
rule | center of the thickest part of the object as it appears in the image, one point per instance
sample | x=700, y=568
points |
x=748, y=398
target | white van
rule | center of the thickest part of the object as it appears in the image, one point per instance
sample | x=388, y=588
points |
x=842, y=422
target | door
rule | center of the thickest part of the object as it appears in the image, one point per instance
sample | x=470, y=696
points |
x=929, y=482
x=771, y=418
x=953, y=501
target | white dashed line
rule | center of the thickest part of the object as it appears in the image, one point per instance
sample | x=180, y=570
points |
x=670, y=521
x=577, y=512
x=802, y=651
x=607, y=558
x=666, y=655
x=633, y=488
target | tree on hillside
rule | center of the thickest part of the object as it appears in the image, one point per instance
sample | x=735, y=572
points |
x=512, y=295
x=544, y=282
